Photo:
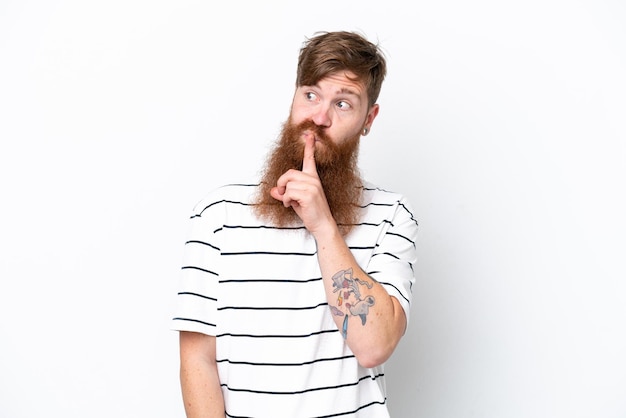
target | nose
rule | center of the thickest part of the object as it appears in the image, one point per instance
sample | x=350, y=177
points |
x=321, y=116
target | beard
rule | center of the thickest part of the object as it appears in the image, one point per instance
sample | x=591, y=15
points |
x=336, y=167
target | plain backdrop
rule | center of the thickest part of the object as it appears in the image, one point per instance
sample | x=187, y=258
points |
x=503, y=123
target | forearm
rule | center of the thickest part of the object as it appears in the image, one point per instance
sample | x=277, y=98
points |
x=372, y=321
x=202, y=395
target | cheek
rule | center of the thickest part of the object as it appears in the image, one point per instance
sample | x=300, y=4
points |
x=348, y=127
x=341, y=134
x=299, y=113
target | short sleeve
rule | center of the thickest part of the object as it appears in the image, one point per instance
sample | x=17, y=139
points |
x=393, y=260
x=196, y=301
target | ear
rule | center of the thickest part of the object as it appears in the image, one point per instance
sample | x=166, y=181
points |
x=369, y=118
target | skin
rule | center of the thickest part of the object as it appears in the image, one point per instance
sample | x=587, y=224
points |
x=200, y=384
x=340, y=106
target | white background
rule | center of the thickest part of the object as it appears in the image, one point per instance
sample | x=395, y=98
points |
x=503, y=122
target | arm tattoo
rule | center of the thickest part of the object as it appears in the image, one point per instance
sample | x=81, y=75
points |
x=350, y=298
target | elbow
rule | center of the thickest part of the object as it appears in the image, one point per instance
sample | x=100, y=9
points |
x=375, y=356
x=369, y=362
x=376, y=350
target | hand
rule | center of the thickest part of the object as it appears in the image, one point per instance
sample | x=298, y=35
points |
x=303, y=191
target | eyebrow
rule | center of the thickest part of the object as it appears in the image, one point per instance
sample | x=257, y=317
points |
x=343, y=90
x=346, y=90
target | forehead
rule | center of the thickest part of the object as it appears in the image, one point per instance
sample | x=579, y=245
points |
x=342, y=83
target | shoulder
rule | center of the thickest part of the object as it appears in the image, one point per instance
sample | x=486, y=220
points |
x=374, y=194
x=396, y=203
x=235, y=193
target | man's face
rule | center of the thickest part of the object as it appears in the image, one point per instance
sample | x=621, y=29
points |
x=337, y=104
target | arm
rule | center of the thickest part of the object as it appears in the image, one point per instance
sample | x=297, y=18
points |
x=199, y=380
x=372, y=322
x=375, y=320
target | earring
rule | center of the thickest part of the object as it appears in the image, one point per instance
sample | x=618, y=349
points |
x=365, y=131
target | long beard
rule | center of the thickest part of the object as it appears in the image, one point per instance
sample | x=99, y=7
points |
x=336, y=166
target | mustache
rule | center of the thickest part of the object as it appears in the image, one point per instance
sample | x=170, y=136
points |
x=309, y=125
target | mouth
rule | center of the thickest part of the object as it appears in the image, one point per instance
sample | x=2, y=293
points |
x=308, y=133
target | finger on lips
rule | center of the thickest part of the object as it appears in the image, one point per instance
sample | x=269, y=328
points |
x=308, y=162
x=280, y=192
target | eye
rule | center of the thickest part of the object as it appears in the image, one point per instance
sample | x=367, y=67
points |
x=310, y=96
x=343, y=105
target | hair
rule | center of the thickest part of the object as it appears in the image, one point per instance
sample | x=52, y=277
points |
x=329, y=52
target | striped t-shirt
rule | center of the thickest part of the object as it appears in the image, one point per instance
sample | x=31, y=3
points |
x=259, y=290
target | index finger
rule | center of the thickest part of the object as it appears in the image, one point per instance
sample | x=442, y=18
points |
x=308, y=163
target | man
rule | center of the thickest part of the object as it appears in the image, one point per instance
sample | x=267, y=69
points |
x=296, y=290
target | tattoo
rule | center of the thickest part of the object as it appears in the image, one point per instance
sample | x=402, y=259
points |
x=350, y=298
x=362, y=308
x=336, y=311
